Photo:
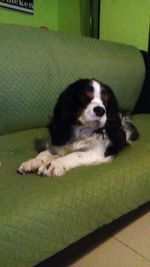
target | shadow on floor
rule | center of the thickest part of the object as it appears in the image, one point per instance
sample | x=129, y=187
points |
x=83, y=246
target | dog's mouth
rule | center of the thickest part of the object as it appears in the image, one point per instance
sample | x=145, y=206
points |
x=89, y=124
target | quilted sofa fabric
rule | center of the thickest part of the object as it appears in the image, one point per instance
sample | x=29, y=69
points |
x=39, y=216
x=37, y=64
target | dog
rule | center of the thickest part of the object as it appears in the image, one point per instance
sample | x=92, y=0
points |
x=87, y=128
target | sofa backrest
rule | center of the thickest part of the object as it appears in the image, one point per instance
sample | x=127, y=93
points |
x=37, y=64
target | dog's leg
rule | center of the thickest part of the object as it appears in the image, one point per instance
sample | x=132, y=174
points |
x=43, y=158
x=59, y=166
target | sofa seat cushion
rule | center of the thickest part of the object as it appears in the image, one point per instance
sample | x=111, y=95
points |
x=40, y=216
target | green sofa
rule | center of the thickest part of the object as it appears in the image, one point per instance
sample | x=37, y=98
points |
x=40, y=216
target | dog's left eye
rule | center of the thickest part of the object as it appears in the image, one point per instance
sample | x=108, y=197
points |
x=105, y=97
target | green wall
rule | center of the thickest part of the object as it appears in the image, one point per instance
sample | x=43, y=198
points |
x=69, y=16
x=125, y=21
x=45, y=14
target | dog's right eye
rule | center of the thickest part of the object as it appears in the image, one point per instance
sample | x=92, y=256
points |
x=89, y=95
x=85, y=99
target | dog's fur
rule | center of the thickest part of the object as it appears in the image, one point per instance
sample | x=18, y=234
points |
x=87, y=128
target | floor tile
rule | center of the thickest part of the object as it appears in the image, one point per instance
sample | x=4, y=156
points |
x=111, y=253
x=137, y=235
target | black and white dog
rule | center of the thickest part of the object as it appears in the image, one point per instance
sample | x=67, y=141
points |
x=87, y=128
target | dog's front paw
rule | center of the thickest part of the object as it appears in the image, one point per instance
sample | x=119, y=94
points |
x=29, y=166
x=55, y=168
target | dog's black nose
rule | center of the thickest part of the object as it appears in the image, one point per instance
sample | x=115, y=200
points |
x=99, y=111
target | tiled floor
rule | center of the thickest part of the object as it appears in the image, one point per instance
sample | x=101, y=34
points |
x=129, y=247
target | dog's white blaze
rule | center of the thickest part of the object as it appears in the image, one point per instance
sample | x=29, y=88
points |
x=97, y=94
x=97, y=89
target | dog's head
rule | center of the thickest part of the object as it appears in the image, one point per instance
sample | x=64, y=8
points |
x=82, y=102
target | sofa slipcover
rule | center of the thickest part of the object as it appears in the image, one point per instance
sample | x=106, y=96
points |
x=39, y=216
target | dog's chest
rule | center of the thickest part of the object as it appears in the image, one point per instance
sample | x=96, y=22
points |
x=80, y=132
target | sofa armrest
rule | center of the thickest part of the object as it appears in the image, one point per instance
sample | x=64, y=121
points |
x=143, y=102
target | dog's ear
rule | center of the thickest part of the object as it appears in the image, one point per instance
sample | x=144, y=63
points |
x=117, y=137
x=113, y=125
x=109, y=100
x=60, y=127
